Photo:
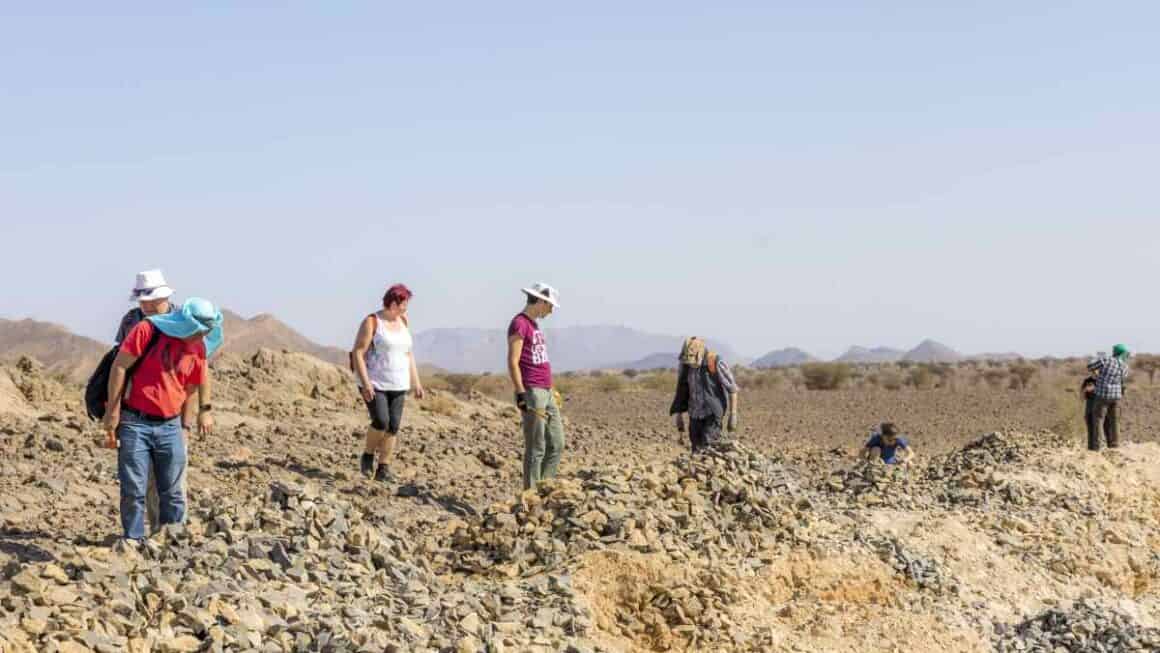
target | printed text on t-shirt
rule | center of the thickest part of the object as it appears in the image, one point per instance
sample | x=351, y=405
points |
x=539, y=348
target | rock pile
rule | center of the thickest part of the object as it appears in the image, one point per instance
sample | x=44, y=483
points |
x=872, y=484
x=923, y=572
x=1086, y=627
x=731, y=502
x=295, y=570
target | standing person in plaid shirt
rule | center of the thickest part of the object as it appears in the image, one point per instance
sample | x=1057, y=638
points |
x=1108, y=393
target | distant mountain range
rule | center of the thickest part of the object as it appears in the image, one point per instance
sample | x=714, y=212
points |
x=570, y=348
x=454, y=349
x=858, y=354
x=783, y=358
x=73, y=356
x=927, y=351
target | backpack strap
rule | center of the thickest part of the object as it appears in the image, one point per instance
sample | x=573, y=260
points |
x=153, y=339
x=156, y=335
x=374, y=329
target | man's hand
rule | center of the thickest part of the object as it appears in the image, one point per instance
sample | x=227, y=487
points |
x=186, y=431
x=204, y=423
x=522, y=401
x=368, y=394
x=731, y=426
x=111, y=421
x=419, y=392
x=679, y=422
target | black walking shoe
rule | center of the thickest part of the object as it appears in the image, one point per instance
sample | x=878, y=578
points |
x=383, y=474
x=367, y=464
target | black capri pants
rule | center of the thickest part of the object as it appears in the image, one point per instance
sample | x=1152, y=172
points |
x=386, y=410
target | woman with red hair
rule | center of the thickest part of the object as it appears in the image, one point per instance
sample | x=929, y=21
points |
x=384, y=366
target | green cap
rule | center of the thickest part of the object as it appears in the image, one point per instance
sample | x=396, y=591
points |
x=1119, y=351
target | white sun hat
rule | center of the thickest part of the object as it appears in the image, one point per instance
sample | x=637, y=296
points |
x=150, y=286
x=545, y=292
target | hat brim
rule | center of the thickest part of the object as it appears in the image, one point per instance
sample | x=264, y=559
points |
x=542, y=296
x=160, y=292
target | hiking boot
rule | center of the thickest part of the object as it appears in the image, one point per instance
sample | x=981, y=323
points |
x=367, y=464
x=383, y=474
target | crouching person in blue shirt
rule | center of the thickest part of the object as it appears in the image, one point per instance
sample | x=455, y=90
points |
x=890, y=447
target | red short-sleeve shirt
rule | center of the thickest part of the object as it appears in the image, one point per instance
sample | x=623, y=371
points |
x=159, y=386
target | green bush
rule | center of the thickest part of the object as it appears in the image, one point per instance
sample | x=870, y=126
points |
x=825, y=376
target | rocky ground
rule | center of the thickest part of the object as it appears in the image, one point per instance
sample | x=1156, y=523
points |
x=1005, y=536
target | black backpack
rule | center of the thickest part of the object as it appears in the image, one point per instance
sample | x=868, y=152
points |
x=97, y=389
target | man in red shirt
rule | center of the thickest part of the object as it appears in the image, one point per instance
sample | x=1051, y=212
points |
x=149, y=420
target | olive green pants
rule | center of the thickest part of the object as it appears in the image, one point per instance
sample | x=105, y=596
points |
x=543, y=437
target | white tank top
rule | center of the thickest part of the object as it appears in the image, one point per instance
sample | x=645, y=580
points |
x=388, y=360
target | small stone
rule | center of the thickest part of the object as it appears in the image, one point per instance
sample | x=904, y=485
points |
x=29, y=583
x=470, y=624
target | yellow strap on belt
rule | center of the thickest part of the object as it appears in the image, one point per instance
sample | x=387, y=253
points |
x=543, y=414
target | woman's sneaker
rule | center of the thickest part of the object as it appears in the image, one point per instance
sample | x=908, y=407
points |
x=383, y=474
x=367, y=464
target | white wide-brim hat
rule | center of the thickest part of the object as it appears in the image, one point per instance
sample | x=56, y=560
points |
x=545, y=292
x=150, y=286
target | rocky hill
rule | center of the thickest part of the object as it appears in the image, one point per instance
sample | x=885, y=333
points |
x=929, y=351
x=665, y=360
x=783, y=358
x=246, y=336
x=58, y=349
x=858, y=354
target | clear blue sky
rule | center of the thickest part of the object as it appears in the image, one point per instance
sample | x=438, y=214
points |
x=816, y=175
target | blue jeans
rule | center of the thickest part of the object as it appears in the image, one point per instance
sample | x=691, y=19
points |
x=156, y=448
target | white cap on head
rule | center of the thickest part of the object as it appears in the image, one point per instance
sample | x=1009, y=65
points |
x=150, y=286
x=545, y=292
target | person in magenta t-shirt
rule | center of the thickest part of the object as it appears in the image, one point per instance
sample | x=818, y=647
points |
x=531, y=373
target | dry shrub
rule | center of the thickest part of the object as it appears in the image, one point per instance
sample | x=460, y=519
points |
x=630, y=373
x=1149, y=363
x=611, y=383
x=495, y=386
x=436, y=382
x=566, y=383
x=995, y=377
x=920, y=376
x=891, y=380
x=460, y=384
x=825, y=376
x=1022, y=373
x=944, y=373
x=665, y=381
x=439, y=404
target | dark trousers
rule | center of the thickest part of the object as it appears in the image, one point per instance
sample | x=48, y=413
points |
x=1104, y=422
x=704, y=432
x=1089, y=422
